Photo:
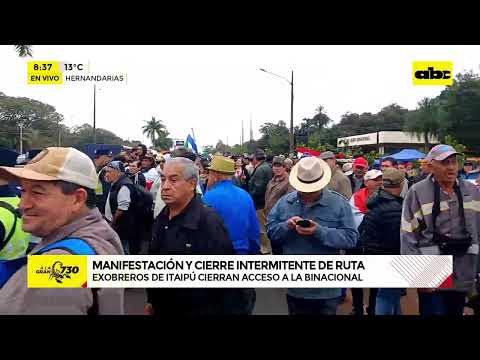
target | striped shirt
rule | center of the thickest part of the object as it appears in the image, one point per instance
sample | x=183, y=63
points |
x=416, y=233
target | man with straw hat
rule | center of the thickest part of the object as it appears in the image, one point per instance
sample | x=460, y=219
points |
x=312, y=220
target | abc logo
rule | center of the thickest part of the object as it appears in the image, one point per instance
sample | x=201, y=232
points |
x=432, y=72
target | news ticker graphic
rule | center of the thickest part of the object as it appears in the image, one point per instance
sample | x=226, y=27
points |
x=50, y=72
x=240, y=271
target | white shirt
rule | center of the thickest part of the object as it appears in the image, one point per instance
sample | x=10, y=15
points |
x=357, y=214
x=123, y=200
x=159, y=203
x=151, y=175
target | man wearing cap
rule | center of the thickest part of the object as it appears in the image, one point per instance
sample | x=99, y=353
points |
x=118, y=202
x=236, y=208
x=58, y=202
x=288, y=164
x=102, y=158
x=149, y=170
x=257, y=186
x=339, y=182
x=441, y=216
x=380, y=234
x=360, y=167
x=13, y=240
x=276, y=188
x=372, y=180
x=467, y=172
x=330, y=227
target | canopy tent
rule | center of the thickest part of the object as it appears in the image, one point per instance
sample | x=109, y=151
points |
x=407, y=155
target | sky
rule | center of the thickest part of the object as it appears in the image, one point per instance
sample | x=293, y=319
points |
x=213, y=88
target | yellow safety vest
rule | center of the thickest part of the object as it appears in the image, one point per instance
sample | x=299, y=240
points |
x=18, y=244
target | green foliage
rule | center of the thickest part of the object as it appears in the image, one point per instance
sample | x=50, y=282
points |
x=426, y=121
x=208, y=150
x=43, y=126
x=274, y=138
x=461, y=103
x=155, y=127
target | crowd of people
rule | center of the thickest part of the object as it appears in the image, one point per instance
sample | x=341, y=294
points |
x=179, y=203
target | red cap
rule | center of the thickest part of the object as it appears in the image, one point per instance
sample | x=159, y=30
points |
x=360, y=162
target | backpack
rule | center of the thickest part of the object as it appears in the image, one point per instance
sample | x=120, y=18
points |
x=17, y=215
x=141, y=206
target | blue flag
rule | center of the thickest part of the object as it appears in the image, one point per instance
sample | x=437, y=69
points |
x=191, y=142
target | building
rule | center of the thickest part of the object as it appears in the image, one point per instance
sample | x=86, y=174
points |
x=385, y=141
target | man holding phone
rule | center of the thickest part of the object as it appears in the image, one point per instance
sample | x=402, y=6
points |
x=312, y=221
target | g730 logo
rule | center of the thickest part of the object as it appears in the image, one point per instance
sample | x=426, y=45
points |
x=432, y=72
x=59, y=272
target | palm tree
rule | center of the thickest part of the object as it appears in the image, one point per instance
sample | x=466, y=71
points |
x=426, y=120
x=153, y=127
x=23, y=50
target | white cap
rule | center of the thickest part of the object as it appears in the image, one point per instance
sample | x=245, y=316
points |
x=372, y=174
x=56, y=163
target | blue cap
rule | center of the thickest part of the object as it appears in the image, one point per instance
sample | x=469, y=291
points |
x=117, y=165
x=8, y=157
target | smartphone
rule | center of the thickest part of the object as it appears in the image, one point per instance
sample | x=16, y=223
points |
x=304, y=223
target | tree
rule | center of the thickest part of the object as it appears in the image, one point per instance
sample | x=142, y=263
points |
x=152, y=128
x=312, y=127
x=163, y=142
x=31, y=115
x=221, y=147
x=24, y=50
x=426, y=120
x=461, y=103
x=81, y=135
x=208, y=150
x=274, y=138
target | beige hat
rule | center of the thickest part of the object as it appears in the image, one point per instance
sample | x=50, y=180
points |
x=56, y=163
x=372, y=174
x=310, y=174
x=393, y=178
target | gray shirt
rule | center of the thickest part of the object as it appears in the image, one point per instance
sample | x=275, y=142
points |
x=416, y=234
x=123, y=200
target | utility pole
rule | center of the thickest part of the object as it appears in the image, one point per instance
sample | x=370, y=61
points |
x=58, y=131
x=21, y=138
x=242, y=135
x=94, y=120
x=291, y=116
x=291, y=138
x=251, y=129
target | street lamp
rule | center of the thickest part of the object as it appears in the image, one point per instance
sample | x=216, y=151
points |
x=94, y=113
x=291, y=104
